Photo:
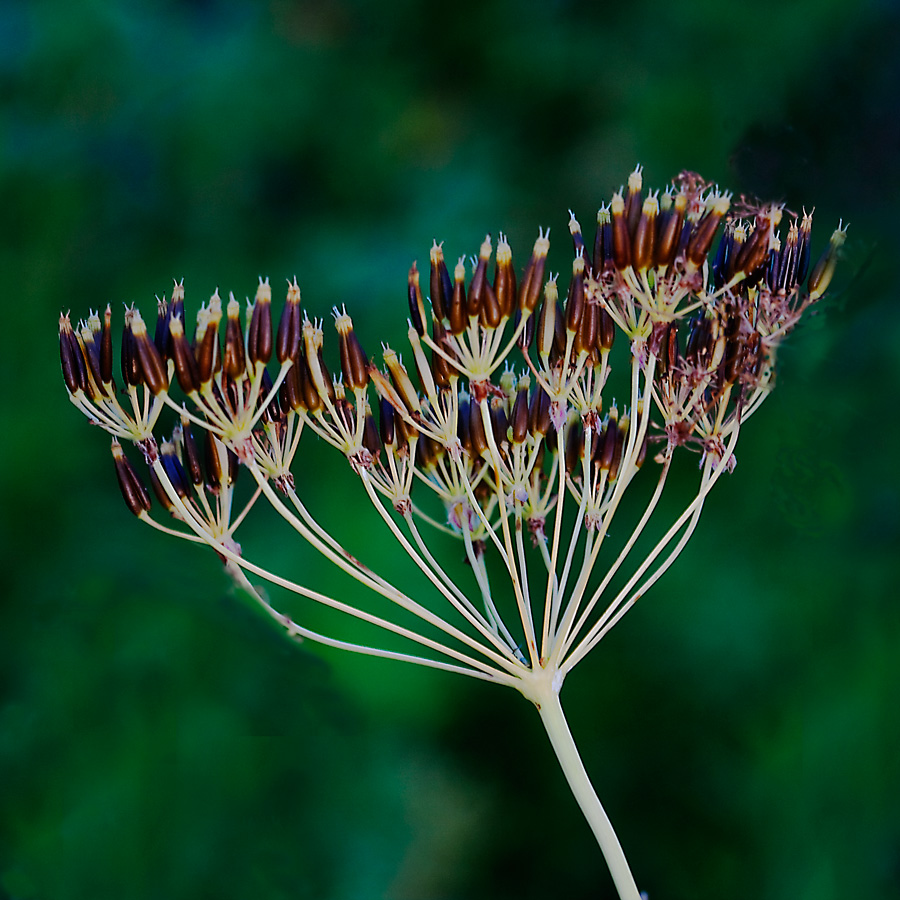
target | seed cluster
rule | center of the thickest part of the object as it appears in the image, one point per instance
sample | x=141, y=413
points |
x=501, y=413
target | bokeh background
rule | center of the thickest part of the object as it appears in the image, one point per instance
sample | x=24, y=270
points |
x=158, y=738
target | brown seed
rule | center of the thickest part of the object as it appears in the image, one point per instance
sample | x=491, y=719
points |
x=505, y=279
x=136, y=497
x=645, y=235
x=441, y=370
x=73, y=365
x=575, y=299
x=702, y=238
x=354, y=363
x=233, y=361
x=669, y=228
x=287, y=341
x=416, y=304
x=106, y=350
x=606, y=330
x=440, y=283
x=586, y=338
x=603, y=247
x=191, y=451
x=477, y=433
x=519, y=417
x=479, y=279
x=823, y=270
x=620, y=233
x=546, y=329
x=185, y=364
x=458, y=314
x=539, y=412
x=152, y=367
x=532, y=286
x=131, y=370
x=259, y=334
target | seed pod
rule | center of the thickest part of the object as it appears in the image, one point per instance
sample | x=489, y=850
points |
x=702, y=238
x=723, y=257
x=618, y=432
x=668, y=351
x=311, y=399
x=633, y=200
x=669, y=231
x=353, y=359
x=477, y=433
x=425, y=457
x=131, y=369
x=370, y=436
x=176, y=303
x=174, y=470
x=185, y=365
x=136, y=497
x=755, y=249
x=462, y=424
x=620, y=233
x=606, y=330
x=106, y=350
x=533, y=281
x=313, y=340
x=416, y=305
x=789, y=260
x=458, y=314
x=153, y=369
x=259, y=334
x=547, y=322
x=216, y=463
x=440, y=283
x=823, y=270
x=518, y=430
x=386, y=418
x=505, y=279
x=479, y=279
x=74, y=368
x=644, y=240
x=539, y=412
x=291, y=391
x=499, y=421
x=191, y=452
x=603, y=242
x=287, y=340
x=491, y=314
x=586, y=338
x=402, y=381
x=575, y=298
x=699, y=340
x=441, y=369
x=233, y=361
x=605, y=448
x=206, y=342
x=803, y=249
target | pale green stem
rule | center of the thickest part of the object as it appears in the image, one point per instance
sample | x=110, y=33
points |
x=546, y=699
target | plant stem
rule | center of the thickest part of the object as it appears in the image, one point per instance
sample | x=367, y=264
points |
x=551, y=713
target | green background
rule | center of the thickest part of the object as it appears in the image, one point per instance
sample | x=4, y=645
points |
x=158, y=738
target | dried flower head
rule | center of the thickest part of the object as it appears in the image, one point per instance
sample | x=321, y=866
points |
x=502, y=417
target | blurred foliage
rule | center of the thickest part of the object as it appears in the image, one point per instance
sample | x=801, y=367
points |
x=158, y=738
